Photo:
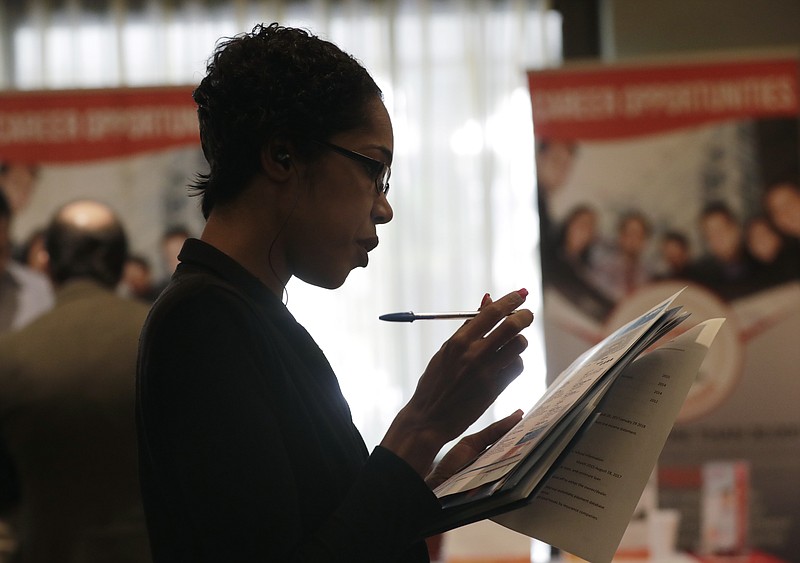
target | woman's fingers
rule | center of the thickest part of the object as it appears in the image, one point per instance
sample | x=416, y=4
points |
x=508, y=374
x=495, y=328
x=472, y=367
x=504, y=343
x=491, y=313
x=508, y=352
x=508, y=330
x=469, y=447
x=482, y=439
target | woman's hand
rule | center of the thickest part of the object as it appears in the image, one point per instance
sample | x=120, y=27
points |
x=469, y=447
x=461, y=381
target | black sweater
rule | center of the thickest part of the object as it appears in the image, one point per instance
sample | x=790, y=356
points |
x=247, y=447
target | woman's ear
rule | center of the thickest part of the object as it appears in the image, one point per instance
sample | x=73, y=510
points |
x=276, y=160
x=284, y=158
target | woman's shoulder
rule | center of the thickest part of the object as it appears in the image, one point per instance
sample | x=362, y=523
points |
x=197, y=298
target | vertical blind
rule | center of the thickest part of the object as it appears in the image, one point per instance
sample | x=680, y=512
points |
x=453, y=74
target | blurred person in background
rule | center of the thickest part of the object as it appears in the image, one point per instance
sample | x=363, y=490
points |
x=727, y=268
x=775, y=261
x=171, y=243
x=782, y=204
x=137, y=279
x=24, y=293
x=32, y=253
x=554, y=163
x=67, y=385
x=570, y=267
x=621, y=266
x=676, y=256
x=18, y=182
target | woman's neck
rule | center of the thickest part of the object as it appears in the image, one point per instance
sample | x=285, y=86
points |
x=254, y=246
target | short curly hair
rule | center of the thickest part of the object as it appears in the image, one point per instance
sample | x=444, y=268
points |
x=273, y=83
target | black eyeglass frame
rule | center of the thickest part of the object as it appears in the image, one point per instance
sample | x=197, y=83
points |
x=380, y=170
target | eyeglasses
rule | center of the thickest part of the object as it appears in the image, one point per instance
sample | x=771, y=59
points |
x=376, y=169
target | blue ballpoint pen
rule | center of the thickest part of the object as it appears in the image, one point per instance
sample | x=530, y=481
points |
x=410, y=317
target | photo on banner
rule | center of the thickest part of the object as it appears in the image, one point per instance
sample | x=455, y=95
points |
x=136, y=149
x=655, y=176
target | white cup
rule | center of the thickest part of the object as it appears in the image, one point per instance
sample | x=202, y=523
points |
x=662, y=531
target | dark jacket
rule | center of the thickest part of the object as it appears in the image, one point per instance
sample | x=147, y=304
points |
x=67, y=384
x=247, y=446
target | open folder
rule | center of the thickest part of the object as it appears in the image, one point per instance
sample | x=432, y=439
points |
x=571, y=472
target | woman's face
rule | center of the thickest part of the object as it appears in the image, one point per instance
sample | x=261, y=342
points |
x=333, y=227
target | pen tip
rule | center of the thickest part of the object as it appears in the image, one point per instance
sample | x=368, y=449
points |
x=405, y=317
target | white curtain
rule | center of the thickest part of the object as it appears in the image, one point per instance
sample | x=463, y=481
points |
x=453, y=73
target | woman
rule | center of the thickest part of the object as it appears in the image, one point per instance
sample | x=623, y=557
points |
x=247, y=448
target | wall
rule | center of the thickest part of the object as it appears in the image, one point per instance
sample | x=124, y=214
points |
x=637, y=28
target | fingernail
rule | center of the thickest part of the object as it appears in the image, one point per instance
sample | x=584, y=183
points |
x=523, y=293
x=485, y=299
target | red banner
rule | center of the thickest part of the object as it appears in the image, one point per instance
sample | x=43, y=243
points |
x=80, y=125
x=628, y=100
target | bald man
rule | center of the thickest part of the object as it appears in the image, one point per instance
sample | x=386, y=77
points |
x=67, y=402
